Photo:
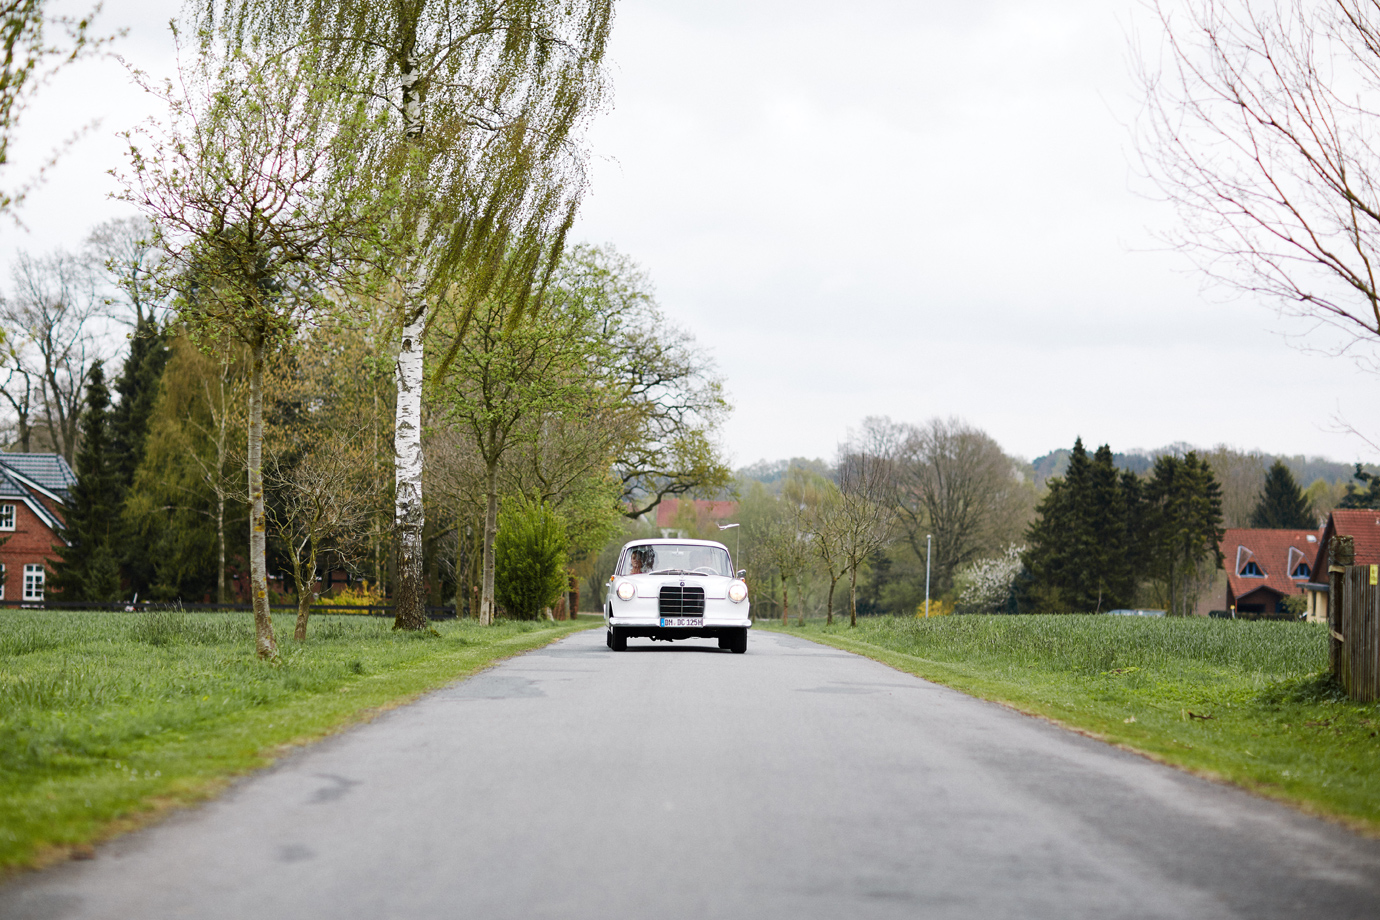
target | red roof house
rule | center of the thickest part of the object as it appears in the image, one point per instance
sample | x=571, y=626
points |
x=672, y=514
x=33, y=492
x=1266, y=566
x=1362, y=525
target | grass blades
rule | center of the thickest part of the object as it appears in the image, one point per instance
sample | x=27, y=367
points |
x=109, y=718
x=1246, y=702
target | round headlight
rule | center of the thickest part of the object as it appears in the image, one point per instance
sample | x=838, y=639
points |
x=737, y=592
x=626, y=591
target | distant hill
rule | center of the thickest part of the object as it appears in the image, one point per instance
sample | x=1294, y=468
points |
x=772, y=473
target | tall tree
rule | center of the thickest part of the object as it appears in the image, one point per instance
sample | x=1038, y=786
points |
x=1083, y=548
x=487, y=100
x=503, y=378
x=258, y=188
x=1368, y=497
x=866, y=512
x=88, y=570
x=1281, y=503
x=1184, y=514
x=188, y=488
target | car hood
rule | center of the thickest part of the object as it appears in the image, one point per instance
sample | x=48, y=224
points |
x=715, y=586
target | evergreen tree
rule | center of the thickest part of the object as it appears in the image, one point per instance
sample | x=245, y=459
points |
x=1184, y=518
x=137, y=387
x=88, y=571
x=530, y=553
x=1082, y=546
x=1369, y=497
x=1281, y=504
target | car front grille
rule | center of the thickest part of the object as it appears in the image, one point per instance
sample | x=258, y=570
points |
x=681, y=602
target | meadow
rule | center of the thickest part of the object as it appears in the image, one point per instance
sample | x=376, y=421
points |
x=1246, y=702
x=107, y=719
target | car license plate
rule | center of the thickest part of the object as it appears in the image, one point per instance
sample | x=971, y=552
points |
x=682, y=621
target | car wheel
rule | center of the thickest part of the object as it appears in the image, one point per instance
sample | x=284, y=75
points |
x=608, y=637
x=725, y=641
x=617, y=641
x=738, y=643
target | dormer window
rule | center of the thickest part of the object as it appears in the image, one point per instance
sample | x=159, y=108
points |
x=1251, y=570
x=1302, y=571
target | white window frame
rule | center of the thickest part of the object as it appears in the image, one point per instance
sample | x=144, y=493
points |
x=8, y=515
x=33, y=586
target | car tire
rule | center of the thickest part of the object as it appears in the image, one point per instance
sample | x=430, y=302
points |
x=617, y=641
x=608, y=637
x=738, y=642
x=725, y=642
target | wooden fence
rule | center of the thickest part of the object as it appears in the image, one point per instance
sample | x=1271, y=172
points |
x=1353, y=613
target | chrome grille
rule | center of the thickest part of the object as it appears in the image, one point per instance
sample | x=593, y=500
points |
x=681, y=602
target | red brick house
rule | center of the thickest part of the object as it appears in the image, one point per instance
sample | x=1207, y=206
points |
x=33, y=490
x=1264, y=567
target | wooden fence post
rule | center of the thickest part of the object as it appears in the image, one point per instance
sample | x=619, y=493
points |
x=1341, y=552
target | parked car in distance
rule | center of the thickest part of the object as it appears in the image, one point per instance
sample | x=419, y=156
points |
x=667, y=589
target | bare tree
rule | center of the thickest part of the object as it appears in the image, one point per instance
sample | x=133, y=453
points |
x=1260, y=127
x=953, y=482
x=50, y=334
x=124, y=251
x=866, y=512
x=321, y=498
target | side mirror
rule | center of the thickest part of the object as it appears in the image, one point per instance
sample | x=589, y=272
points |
x=742, y=573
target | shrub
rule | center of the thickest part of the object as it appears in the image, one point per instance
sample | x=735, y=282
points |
x=529, y=558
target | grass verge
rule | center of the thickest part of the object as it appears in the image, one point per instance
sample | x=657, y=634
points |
x=1244, y=702
x=108, y=719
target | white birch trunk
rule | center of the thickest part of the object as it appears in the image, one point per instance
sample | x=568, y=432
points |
x=408, y=517
x=265, y=644
x=409, y=598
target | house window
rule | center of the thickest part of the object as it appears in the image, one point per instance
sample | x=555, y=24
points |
x=6, y=517
x=1302, y=570
x=1252, y=570
x=33, y=582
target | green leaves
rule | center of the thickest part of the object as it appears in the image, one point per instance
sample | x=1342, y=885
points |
x=529, y=557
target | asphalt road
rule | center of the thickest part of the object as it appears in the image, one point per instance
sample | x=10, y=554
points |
x=796, y=781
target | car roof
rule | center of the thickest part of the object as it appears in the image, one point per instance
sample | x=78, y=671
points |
x=672, y=541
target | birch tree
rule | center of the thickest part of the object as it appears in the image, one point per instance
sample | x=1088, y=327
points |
x=486, y=100
x=258, y=187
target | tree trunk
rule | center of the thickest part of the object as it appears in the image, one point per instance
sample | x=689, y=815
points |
x=785, y=602
x=265, y=644
x=852, y=595
x=486, y=599
x=220, y=547
x=306, y=593
x=408, y=591
x=829, y=606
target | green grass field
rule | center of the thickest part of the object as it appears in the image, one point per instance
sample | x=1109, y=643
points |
x=1246, y=702
x=109, y=718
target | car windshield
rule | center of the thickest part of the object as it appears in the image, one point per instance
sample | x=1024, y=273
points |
x=674, y=559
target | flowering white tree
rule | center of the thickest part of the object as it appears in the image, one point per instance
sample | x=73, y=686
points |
x=987, y=583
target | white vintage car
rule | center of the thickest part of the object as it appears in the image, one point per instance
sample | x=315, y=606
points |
x=677, y=589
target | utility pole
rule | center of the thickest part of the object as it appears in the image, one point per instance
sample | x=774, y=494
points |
x=927, y=576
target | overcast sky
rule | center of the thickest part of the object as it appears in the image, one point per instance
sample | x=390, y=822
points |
x=880, y=208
